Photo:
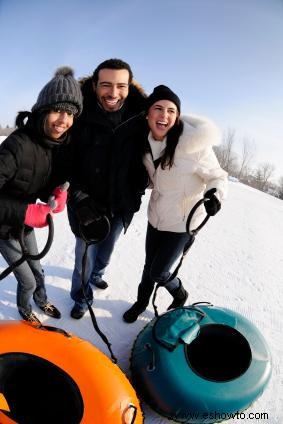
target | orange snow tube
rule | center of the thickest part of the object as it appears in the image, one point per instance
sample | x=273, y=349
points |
x=50, y=376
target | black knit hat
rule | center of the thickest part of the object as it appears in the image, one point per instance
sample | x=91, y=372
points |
x=63, y=92
x=161, y=92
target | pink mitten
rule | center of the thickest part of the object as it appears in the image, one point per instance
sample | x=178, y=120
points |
x=36, y=215
x=59, y=198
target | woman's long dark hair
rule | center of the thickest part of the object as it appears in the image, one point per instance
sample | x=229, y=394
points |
x=172, y=140
x=30, y=120
x=21, y=118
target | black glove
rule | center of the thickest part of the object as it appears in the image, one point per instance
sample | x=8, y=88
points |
x=88, y=211
x=96, y=231
x=94, y=225
x=212, y=204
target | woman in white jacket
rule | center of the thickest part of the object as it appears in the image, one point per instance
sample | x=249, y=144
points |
x=182, y=167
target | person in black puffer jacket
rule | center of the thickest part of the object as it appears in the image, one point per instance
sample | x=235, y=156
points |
x=31, y=168
x=109, y=177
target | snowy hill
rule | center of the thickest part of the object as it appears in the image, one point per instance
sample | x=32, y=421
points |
x=235, y=262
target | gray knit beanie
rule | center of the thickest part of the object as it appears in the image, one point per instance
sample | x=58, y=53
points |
x=63, y=92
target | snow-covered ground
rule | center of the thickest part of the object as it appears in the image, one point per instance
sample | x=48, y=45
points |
x=235, y=262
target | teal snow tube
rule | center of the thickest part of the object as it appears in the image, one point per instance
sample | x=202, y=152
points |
x=200, y=364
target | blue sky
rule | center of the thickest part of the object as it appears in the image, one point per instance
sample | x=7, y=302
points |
x=224, y=58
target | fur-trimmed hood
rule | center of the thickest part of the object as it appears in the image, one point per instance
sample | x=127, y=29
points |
x=177, y=189
x=198, y=134
x=135, y=100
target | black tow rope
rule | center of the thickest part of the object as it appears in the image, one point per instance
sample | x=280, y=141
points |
x=192, y=234
x=92, y=315
x=25, y=254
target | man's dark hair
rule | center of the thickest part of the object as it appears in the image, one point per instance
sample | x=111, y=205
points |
x=112, y=64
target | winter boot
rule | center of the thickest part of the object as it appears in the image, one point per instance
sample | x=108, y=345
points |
x=29, y=316
x=131, y=315
x=50, y=310
x=101, y=284
x=180, y=295
x=144, y=293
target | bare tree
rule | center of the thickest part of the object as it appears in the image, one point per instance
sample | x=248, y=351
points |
x=280, y=188
x=246, y=157
x=262, y=175
x=225, y=154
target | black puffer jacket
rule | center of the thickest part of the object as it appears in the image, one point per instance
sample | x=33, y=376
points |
x=108, y=166
x=27, y=163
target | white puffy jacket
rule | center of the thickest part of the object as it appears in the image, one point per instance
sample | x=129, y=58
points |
x=196, y=170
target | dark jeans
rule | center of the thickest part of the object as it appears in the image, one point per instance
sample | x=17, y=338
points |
x=29, y=274
x=162, y=249
x=98, y=257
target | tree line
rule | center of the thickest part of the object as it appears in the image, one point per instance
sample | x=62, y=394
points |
x=241, y=166
x=7, y=130
x=238, y=165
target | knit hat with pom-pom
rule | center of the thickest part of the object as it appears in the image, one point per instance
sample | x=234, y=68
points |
x=62, y=92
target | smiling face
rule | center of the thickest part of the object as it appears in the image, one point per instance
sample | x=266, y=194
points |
x=57, y=123
x=112, y=88
x=161, y=117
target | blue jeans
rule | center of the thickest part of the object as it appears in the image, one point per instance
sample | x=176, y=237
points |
x=162, y=249
x=97, y=259
x=29, y=274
